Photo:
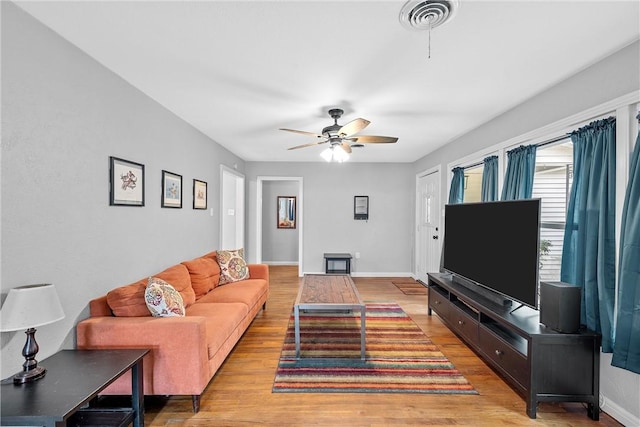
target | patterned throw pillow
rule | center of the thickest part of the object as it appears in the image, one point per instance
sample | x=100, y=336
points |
x=232, y=266
x=162, y=299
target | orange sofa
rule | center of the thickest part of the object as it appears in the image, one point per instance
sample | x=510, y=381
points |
x=185, y=351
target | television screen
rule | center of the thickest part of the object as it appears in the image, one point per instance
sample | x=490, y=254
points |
x=495, y=245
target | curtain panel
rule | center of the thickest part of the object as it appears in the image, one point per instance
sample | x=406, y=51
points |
x=521, y=167
x=626, y=348
x=490, y=179
x=588, y=254
x=456, y=192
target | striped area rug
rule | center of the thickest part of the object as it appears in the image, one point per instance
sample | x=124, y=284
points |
x=400, y=358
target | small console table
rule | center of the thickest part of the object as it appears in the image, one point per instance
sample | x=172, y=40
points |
x=73, y=379
x=544, y=365
x=331, y=259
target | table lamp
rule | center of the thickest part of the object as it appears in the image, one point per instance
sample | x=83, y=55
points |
x=28, y=307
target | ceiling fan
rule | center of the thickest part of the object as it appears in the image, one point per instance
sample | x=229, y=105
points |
x=343, y=136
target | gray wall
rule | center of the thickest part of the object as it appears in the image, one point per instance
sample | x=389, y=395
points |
x=385, y=242
x=608, y=79
x=279, y=245
x=63, y=115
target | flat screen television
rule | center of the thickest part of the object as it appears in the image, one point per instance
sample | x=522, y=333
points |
x=495, y=245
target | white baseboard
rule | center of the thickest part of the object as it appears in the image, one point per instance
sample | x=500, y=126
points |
x=381, y=274
x=280, y=262
x=370, y=274
x=620, y=414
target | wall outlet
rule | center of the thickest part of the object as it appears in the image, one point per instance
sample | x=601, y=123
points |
x=357, y=255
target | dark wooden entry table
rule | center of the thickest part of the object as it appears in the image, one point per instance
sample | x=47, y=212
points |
x=327, y=292
x=73, y=379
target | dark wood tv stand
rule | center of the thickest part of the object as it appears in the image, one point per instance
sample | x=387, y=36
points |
x=542, y=364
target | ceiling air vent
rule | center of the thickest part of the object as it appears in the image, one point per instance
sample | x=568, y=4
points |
x=427, y=14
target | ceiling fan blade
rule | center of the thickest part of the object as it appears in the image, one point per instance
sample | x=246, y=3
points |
x=354, y=126
x=346, y=147
x=303, y=132
x=373, y=139
x=306, y=145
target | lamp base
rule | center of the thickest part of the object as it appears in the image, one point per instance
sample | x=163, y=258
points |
x=29, y=376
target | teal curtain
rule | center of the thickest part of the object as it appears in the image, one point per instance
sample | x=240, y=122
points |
x=626, y=350
x=518, y=179
x=456, y=192
x=588, y=252
x=490, y=179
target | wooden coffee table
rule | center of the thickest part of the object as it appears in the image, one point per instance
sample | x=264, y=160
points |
x=328, y=292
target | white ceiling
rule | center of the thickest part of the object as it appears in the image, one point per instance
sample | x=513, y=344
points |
x=239, y=70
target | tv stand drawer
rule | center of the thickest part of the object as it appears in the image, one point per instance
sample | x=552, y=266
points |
x=504, y=357
x=440, y=303
x=464, y=324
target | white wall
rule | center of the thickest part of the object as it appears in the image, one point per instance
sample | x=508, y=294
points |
x=279, y=245
x=63, y=115
x=611, y=78
x=385, y=242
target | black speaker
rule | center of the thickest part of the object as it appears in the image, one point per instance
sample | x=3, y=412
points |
x=560, y=306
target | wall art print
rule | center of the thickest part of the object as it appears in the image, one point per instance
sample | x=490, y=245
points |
x=171, y=190
x=199, y=194
x=126, y=182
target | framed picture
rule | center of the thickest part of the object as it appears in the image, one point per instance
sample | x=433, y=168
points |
x=126, y=183
x=199, y=194
x=171, y=190
x=361, y=207
x=286, y=212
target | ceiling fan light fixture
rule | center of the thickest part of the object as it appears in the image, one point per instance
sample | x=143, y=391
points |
x=335, y=153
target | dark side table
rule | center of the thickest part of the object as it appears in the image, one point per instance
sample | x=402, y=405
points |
x=333, y=263
x=73, y=379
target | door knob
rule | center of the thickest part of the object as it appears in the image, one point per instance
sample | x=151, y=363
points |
x=435, y=237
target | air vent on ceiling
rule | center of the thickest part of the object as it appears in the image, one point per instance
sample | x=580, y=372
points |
x=427, y=14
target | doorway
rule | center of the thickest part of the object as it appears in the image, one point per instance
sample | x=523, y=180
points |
x=231, y=208
x=262, y=204
x=428, y=245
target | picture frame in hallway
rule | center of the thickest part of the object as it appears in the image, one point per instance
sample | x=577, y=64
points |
x=126, y=182
x=286, y=213
x=171, y=190
x=199, y=194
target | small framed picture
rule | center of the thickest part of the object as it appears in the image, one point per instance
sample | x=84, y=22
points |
x=171, y=190
x=126, y=183
x=199, y=194
x=286, y=212
x=361, y=207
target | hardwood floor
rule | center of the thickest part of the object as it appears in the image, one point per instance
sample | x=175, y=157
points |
x=240, y=393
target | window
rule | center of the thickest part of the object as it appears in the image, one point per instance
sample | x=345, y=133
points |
x=473, y=184
x=552, y=184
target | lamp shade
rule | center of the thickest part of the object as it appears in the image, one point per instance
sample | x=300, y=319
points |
x=30, y=306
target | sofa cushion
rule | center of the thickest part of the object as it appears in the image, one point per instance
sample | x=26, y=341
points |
x=232, y=266
x=221, y=320
x=205, y=274
x=247, y=292
x=162, y=299
x=128, y=301
x=179, y=277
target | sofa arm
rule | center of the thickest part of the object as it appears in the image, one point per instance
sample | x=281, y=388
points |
x=259, y=271
x=178, y=345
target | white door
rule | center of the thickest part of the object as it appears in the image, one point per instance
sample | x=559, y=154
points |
x=428, y=234
x=231, y=209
